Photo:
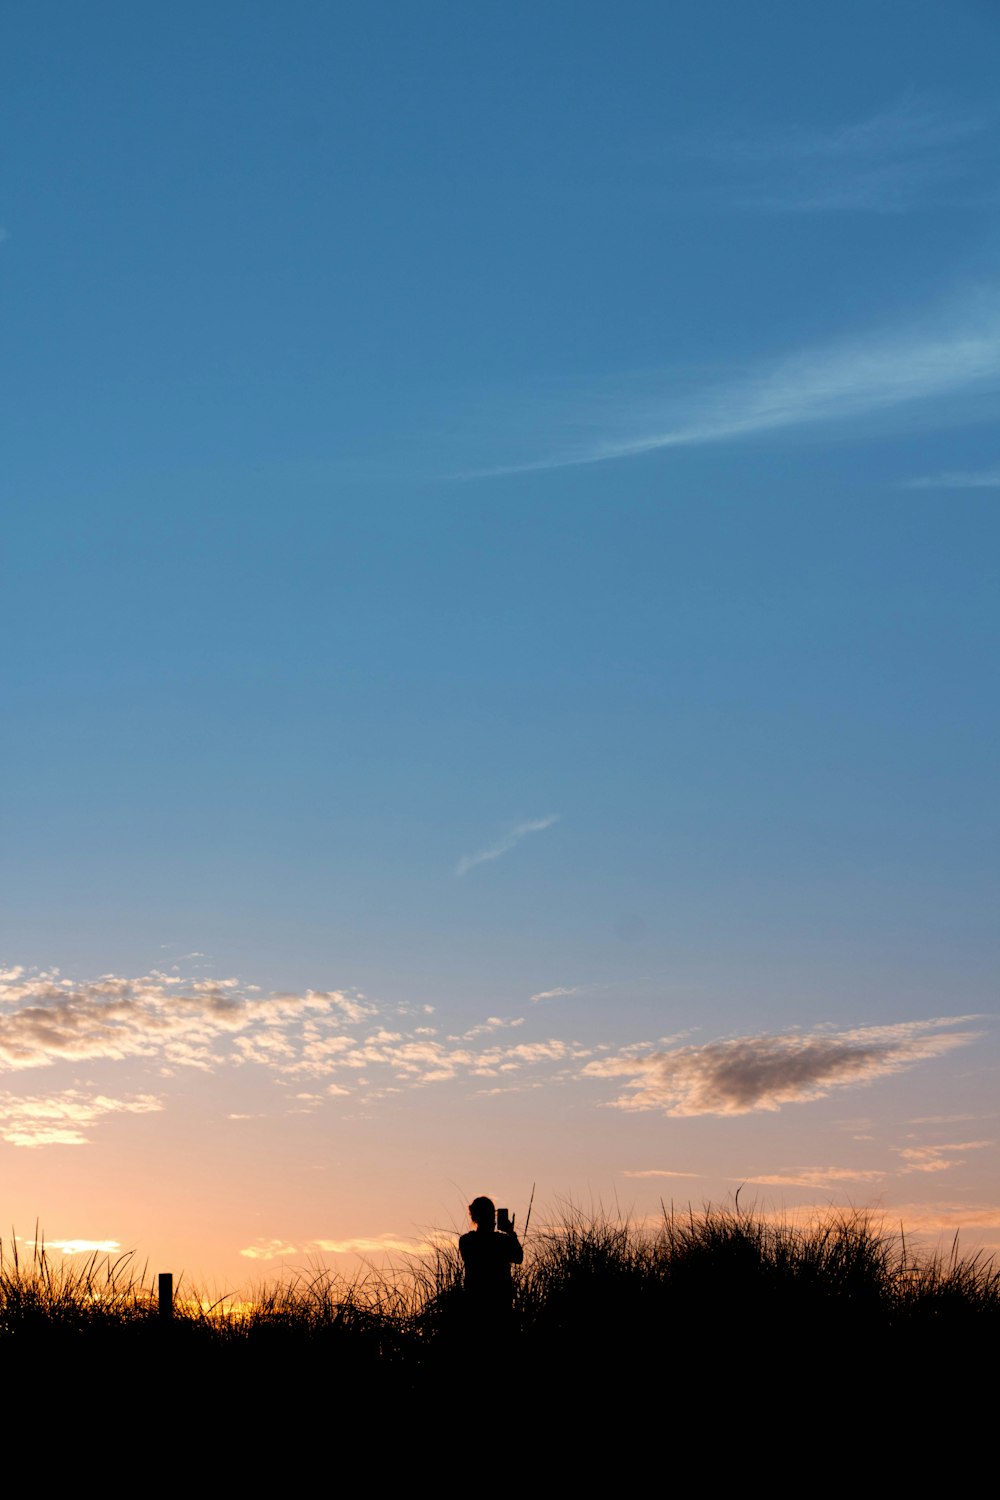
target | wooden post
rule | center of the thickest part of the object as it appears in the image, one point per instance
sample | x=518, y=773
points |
x=166, y=1290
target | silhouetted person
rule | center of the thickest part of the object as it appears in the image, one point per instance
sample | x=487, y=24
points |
x=488, y=1254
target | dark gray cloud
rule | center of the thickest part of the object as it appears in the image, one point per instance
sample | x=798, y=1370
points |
x=763, y=1072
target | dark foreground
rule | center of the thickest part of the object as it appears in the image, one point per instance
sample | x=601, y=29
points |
x=715, y=1347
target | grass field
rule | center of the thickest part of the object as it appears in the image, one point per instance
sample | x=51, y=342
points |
x=587, y=1280
x=713, y=1334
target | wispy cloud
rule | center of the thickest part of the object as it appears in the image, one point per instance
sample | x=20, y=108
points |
x=813, y=1177
x=269, y=1250
x=764, y=1072
x=906, y=157
x=393, y=1244
x=918, y=1218
x=379, y=1244
x=938, y=1158
x=504, y=844
x=956, y=479
x=485, y=1028
x=63, y=1119
x=555, y=994
x=805, y=1177
x=957, y=1119
x=947, y=1218
x=81, y=1247
x=951, y=353
x=662, y=1172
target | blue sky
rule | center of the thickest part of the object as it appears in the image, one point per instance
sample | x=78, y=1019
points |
x=500, y=502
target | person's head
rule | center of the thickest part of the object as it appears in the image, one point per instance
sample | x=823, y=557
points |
x=482, y=1213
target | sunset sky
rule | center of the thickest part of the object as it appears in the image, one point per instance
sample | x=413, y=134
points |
x=500, y=614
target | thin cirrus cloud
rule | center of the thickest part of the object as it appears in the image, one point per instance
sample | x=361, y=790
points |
x=948, y=1218
x=79, y=1247
x=956, y=352
x=956, y=479
x=395, y=1244
x=556, y=994
x=661, y=1172
x=504, y=844
x=490, y=1025
x=813, y=1177
x=380, y=1244
x=807, y=1177
x=906, y=157
x=764, y=1072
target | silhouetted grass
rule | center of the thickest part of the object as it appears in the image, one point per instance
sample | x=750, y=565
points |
x=721, y=1310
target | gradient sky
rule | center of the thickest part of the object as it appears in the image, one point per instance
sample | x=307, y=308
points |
x=500, y=617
